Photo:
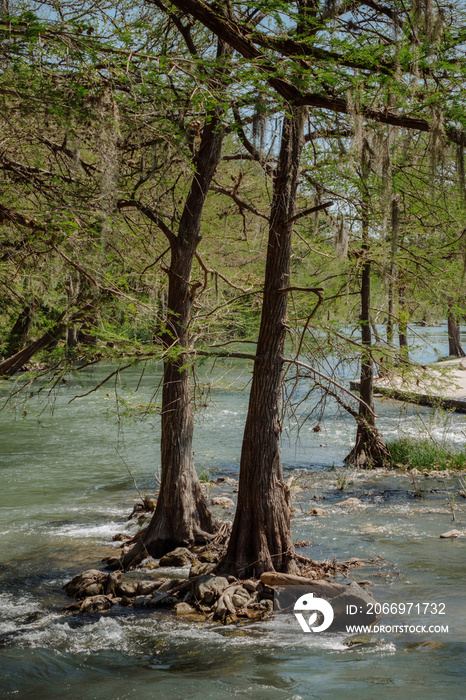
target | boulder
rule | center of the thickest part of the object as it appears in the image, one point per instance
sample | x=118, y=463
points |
x=317, y=511
x=178, y=557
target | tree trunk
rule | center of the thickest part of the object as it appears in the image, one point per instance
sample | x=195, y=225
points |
x=392, y=267
x=182, y=516
x=454, y=338
x=261, y=535
x=74, y=287
x=402, y=324
x=369, y=450
x=13, y=364
x=19, y=332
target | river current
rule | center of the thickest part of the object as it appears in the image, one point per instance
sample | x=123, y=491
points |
x=67, y=486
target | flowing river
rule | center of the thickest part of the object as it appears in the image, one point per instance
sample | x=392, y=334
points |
x=67, y=487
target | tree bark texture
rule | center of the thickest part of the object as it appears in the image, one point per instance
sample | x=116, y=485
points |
x=182, y=516
x=261, y=535
x=392, y=266
x=402, y=324
x=454, y=338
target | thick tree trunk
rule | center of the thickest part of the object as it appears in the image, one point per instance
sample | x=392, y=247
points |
x=454, y=338
x=19, y=332
x=182, y=516
x=261, y=535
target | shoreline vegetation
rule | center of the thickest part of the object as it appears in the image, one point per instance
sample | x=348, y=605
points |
x=425, y=455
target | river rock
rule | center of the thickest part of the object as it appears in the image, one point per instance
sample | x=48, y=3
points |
x=451, y=534
x=98, y=602
x=349, y=502
x=226, y=480
x=89, y=583
x=150, y=503
x=183, y=609
x=208, y=588
x=157, y=600
x=121, y=537
x=178, y=557
x=199, y=568
x=209, y=556
x=147, y=586
x=317, y=511
x=223, y=501
x=358, y=597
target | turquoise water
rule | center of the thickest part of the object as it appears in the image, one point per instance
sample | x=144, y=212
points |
x=66, y=490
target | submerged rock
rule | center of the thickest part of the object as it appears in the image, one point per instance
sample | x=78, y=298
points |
x=349, y=502
x=317, y=511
